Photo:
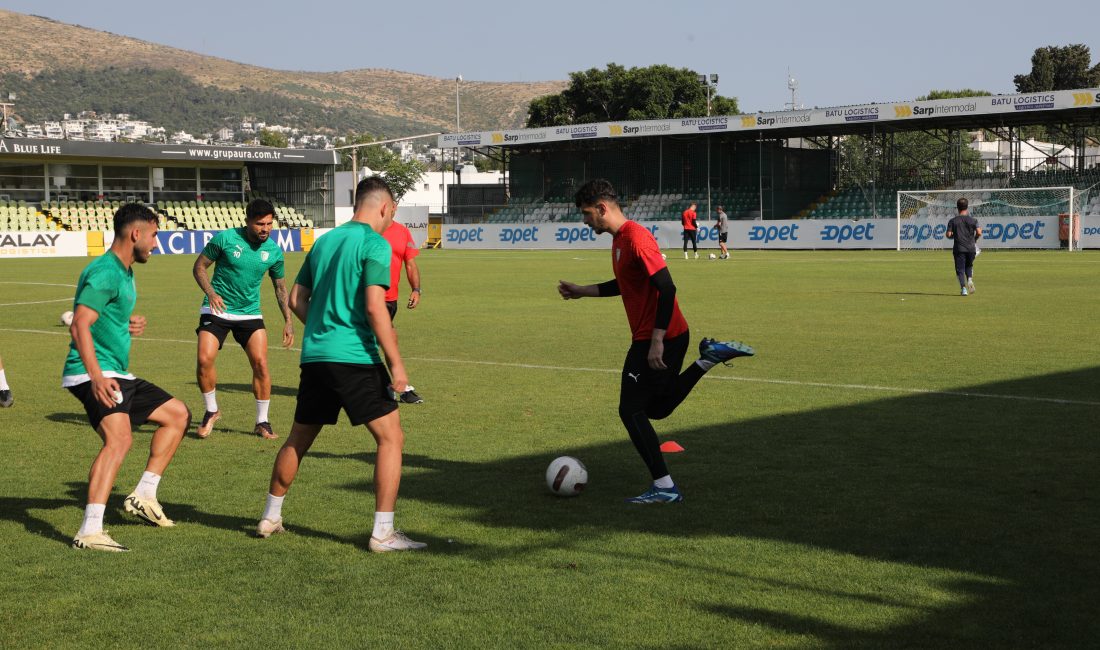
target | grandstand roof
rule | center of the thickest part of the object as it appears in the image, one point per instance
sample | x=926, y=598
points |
x=1058, y=106
x=38, y=148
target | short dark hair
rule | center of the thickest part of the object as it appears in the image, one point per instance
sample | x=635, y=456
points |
x=369, y=186
x=962, y=204
x=597, y=189
x=258, y=208
x=131, y=213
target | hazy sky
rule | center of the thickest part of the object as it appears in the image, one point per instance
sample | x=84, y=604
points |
x=840, y=52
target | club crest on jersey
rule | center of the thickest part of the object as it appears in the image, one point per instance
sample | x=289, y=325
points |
x=264, y=255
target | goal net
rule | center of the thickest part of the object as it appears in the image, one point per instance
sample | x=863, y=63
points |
x=1024, y=217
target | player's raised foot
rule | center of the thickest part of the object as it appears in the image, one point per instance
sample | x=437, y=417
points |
x=970, y=286
x=100, y=541
x=397, y=541
x=266, y=528
x=208, y=420
x=147, y=510
x=658, y=495
x=964, y=292
x=6, y=399
x=697, y=256
x=263, y=429
x=723, y=351
x=410, y=397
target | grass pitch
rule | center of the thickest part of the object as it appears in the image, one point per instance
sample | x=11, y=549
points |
x=898, y=467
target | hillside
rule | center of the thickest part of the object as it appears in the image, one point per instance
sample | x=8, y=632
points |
x=374, y=100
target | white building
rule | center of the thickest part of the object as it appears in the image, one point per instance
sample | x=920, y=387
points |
x=430, y=192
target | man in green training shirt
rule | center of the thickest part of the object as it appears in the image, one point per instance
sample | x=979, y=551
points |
x=232, y=304
x=340, y=296
x=97, y=373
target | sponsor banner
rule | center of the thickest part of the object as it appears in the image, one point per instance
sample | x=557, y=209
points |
x=1090, y=232
x=999, y=232
x=524, y=236
x=415, y=218
x=32, y=147
x=48, y=243
x=191, y=242
x=900, y=111
x=794, y=234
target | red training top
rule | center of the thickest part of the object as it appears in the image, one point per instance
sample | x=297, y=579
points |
x=635, y=257
x=404, y=248
x=689, y=219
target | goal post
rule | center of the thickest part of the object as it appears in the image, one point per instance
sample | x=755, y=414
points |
x=1019, y=217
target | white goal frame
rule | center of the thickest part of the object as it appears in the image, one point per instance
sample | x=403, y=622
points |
x=1071, y=191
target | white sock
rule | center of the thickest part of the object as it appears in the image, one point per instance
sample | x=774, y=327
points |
x=3, y=380
x=383, y=525
x=211, y=400
x=704, y=364
x=147, y=486
x=261, y=410
x=93, y=519
x=665, y=482
x=273, y=509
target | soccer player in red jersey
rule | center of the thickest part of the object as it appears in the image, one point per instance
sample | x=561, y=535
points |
x=652, y=385
x=690, y=222
x=404, y=254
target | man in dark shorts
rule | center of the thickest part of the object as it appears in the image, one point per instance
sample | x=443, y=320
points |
x=6, y=399
x=723, y=232
x=404, y=254
x=97, y=373
x=340, y=295
x=964, y=232
x=652, y=385
x=690, y=222
x=231, y=304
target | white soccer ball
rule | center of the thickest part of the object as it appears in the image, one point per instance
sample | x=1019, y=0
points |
x=566, y=476
x=663, y=256
x=713, y=256
x=67, y=318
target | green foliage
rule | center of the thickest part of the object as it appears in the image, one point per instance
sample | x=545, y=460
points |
x=1059, y=68
x=619, y=93
x=272, y=139
x=401, y=175
x=953, y=94
x=171, y=99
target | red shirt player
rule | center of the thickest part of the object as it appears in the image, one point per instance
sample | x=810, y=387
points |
x=652, y=385
x=691, y=228
x=404, y=253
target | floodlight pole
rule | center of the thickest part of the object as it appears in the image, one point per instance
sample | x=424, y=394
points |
x=710, y=82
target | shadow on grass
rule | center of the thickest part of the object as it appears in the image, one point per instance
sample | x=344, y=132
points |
x=1004, y=490
x=283, y=391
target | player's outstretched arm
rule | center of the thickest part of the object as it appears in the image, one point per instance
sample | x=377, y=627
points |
x=571, y=291
x=283, y=299
x=202, y=263
x=412, y=272
x=379, y=318
x=81, y=330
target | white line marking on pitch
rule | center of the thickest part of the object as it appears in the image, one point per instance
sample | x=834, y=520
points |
x=36, y=302
x=750, y=380
x=43, y=284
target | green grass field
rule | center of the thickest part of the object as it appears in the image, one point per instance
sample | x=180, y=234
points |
x=897, y=467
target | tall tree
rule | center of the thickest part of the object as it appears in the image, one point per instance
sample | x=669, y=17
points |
x=619, y=93
x=1059, y=68
x=273, y=139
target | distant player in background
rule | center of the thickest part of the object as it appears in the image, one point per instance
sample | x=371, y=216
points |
x=340, y=295
x=723, y=232
x=965, y=232
x=652, y=385
x=97, y=373
x=6, y=399
x=232, y=304
x=691, y=229
x=404, y=253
